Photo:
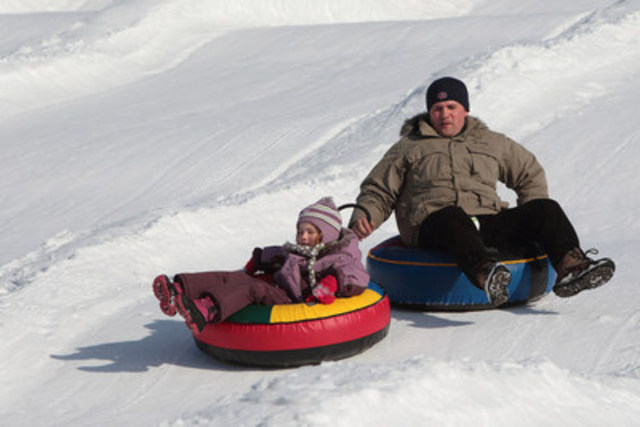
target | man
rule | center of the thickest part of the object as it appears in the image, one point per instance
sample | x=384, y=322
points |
x=440, y=178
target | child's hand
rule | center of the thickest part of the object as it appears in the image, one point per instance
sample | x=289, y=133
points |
x=269, y=259
x=325, y=290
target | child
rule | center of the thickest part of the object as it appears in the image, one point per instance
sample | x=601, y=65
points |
x=325, y=263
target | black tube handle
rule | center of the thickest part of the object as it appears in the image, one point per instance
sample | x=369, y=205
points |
x=357, y=206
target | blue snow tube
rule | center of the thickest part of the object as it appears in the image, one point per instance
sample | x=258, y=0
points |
x=429, y=280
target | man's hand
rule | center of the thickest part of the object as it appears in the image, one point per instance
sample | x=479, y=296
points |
x=363, y=227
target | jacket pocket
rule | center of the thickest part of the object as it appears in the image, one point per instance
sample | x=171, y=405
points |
x=485, y=166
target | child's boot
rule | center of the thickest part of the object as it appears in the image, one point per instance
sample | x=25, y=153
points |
x=197, y=312
x=166, y=292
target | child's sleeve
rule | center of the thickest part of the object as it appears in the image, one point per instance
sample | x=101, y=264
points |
x=269, y=259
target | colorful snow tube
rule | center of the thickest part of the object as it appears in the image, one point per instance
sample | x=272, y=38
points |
x=428, y=280
x=299, y=334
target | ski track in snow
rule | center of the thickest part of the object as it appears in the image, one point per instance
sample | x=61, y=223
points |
x=121, y=42
x=91, y=348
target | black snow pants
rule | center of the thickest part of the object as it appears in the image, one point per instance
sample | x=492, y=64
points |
x=541, y=222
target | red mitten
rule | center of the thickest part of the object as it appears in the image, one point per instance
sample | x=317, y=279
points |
x=325, y=290
x=250, y=267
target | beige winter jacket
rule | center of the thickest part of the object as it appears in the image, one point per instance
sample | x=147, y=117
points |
x=424, y=172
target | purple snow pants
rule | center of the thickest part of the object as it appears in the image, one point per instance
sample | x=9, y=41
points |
x=231, y=290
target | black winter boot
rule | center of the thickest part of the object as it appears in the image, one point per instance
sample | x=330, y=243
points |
x=577, y=272
x=494, y=279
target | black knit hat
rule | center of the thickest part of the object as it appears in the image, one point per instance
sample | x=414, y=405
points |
x=447, y=88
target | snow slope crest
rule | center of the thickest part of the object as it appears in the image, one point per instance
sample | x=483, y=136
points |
x=565, y=68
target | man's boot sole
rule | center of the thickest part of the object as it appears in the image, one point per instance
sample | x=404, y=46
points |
x=590, y=279
x=497, y=289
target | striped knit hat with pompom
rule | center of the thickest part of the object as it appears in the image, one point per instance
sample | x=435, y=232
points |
x=325, y=215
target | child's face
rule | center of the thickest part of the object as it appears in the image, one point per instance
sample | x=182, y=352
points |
x=308, y=234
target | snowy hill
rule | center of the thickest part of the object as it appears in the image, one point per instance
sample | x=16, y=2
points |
x=144, y=137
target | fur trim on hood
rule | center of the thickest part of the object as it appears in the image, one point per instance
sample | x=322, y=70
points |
x=410, y=127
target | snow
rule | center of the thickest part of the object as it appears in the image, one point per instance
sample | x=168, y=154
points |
x=144, y=137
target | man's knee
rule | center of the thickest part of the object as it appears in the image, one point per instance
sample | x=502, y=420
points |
x=544, y=206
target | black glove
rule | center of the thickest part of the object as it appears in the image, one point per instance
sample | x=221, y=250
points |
x=269, y=259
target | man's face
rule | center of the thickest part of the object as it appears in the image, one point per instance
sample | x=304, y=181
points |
x=448, y=117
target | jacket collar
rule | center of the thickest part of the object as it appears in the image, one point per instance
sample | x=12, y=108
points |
x=419, y=127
